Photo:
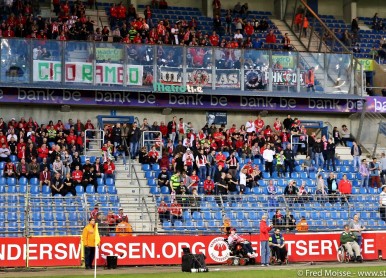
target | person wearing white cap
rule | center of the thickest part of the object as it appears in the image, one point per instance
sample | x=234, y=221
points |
x=382, y=203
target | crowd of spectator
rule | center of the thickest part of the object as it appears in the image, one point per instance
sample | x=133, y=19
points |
x=117, y=223
x=208, y=162
x=51, y=154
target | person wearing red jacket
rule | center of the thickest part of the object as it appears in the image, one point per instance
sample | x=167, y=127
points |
x=175, y=211
x=264, y=240
x=345, y=189
x=77, y=176
x=42, y=152
x=208, y=186
x=109, y=169
x=270, y=38
x=163, y=212
x=214, y=39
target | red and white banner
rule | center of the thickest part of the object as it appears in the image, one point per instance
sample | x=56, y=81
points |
x=163, y=249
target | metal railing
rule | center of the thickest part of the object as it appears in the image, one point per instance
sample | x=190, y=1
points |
x=152, y=138
x=93, y=135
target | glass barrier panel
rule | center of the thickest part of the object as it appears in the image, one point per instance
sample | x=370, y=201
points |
x=312, y=66
x=199, y=65
x=109, y=64
x=79, y=58
x=228, y=68
x=46, y=61
x=256, y=69
x=15, y=61
x=170, y=67
x=140, y=63
x=339, y=73
x=284, y=71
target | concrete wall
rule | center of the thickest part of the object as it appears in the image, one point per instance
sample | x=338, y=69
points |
x=369, y=7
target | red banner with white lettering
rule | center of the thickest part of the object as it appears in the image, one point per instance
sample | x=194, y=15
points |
x=163, y=249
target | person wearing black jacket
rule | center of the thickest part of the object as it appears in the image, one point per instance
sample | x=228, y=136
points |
x=135, y=136
x=172, y=129
x=318, y=149
x=330, y=155
x=287, y=122
x=289, y=161
x=332, y=186
x=117, y=136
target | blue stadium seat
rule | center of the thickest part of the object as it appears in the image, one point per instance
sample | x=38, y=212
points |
x=154, y=190
x=145, y=167
x=155, y=167
x=60, y=216
x=166, y=225
x=13, y=158
x=90, y=189
x=111, y=190
x=73, y=216
x=197, y=215
x=207, y=215
x=165, y=190
x=100, y=181
x=48, y=216
x=178, y=225
x=34, y=181
x=23, y=181
x=11, y=190
x=110, y=181
x=102, y=189
x=200, y=225
x=79, y=189
x=151, y=182
x=11, y=181
x=12, y=217
x=149, y=175
x=46, y=189
x=36, y=216
x=186, y=215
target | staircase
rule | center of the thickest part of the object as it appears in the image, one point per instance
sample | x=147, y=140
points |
x=134, y=197
x=283, y=28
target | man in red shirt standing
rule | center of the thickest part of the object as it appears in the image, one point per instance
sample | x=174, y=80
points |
x=248, y=29
x=264, y=240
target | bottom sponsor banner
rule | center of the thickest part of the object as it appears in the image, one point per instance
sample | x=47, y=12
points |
x=145, y=250
x=40, y=251
x=166, y=250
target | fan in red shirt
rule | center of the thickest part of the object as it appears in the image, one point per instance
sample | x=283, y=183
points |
x=113, y=11
x=220, y=159
x=153, y=155
x=259, y=124
x=208, y=186
x=163, y=212
x=42, y=152
x=121, y=11
x=214, y=39
x=248, y=29
x=109, y=169
x=345, y=186
x=77, y=176
x=175, y=211
x=270, y=38
x=195, y=181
